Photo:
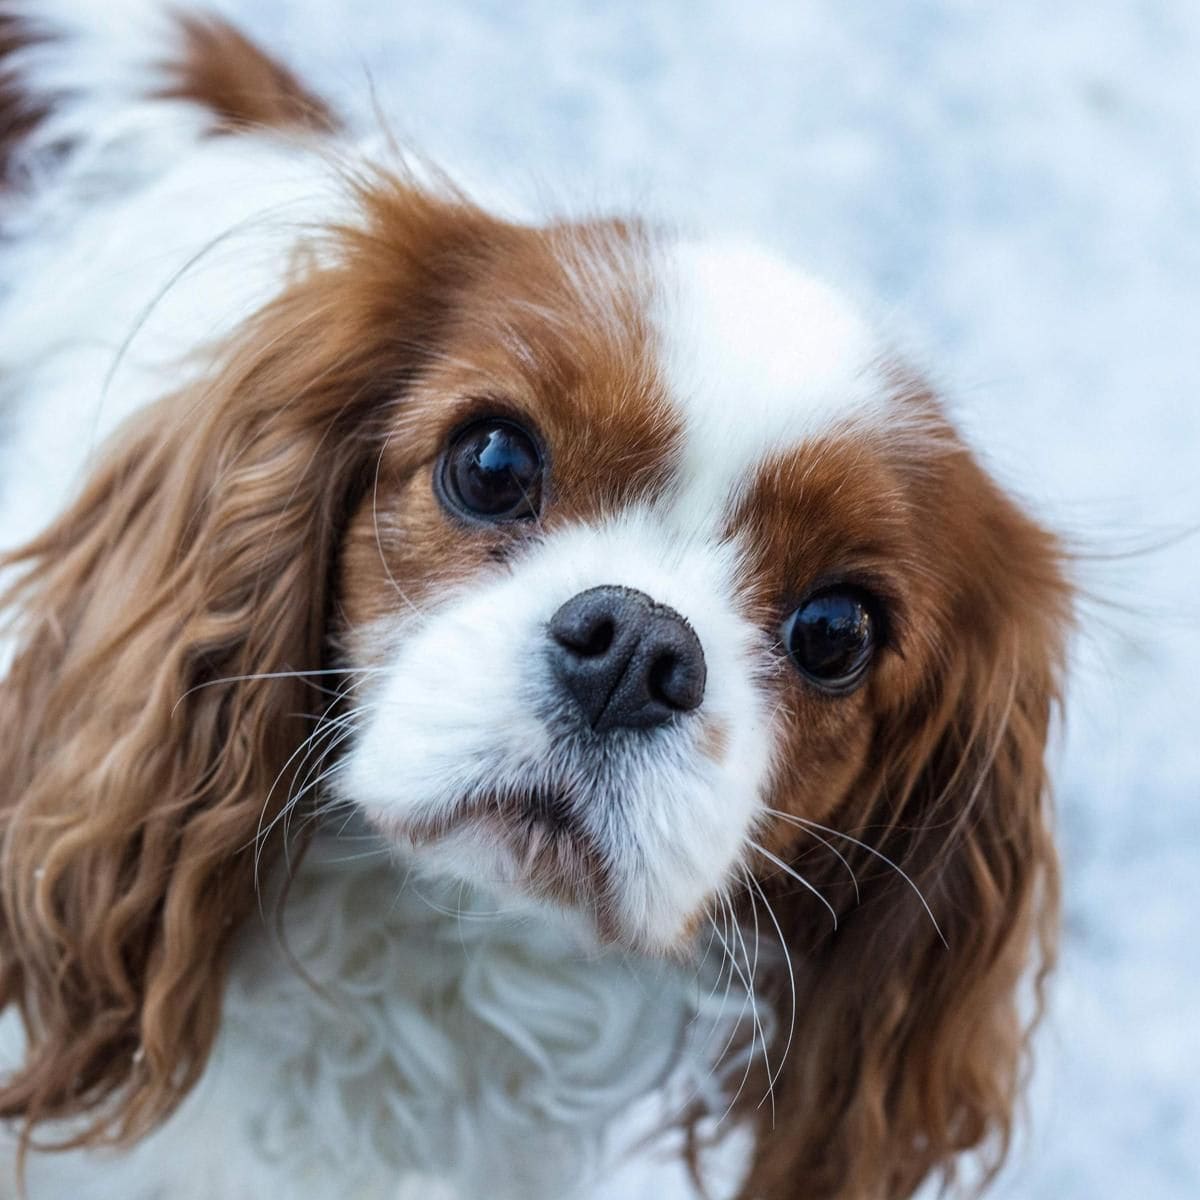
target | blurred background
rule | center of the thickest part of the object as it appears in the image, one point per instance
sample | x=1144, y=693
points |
x=1014, y=190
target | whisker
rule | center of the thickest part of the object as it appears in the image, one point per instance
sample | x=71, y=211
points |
x=753, y=968
x=537, y=516
x=700, y=964
x=716, y=1024
x=828, y=845
x=460, y=913
x=883, y=858
x=796, y=876
x=359, y=857
x=325, y=727
x=341, y=732
x=745, y=1003
x=790, y=974
x=309, y=784
x=323, y=809
x=702, y=1006
x=277, y=675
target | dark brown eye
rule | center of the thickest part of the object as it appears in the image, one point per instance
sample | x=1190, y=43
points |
x=831, y=638
x=492, y=471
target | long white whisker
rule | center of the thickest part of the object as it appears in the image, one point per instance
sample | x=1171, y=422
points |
x=325, y=727
x=725, y=973
x=883, y=858
x=309, y=784
x=728, y=960
x=745, y=1003
x=341, y=733
x=700, y=964
x=199, y=687
x=753, y=967
x=828, y=845
x=791, y=975
x=796, y=876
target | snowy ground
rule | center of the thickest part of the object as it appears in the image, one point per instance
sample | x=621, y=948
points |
x=1015, y=188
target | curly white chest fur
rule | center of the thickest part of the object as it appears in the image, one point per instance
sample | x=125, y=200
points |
x=423, y=1043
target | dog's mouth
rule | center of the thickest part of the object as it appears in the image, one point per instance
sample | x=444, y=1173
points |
x=554, y=855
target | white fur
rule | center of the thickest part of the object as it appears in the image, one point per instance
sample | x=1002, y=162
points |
x=146, y=243
x=455, y=1050
x=760, y=357
x=483, y=1055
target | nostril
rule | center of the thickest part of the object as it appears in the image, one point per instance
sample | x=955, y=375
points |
x=661, y=682
x=675, y=682
x=589, y=641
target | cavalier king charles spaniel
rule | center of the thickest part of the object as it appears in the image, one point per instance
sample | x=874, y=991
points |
x=484, y=699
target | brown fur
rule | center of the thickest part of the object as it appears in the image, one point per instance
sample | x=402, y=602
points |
x=239, y=527
x=216, y=67
x=242, y=85
x=578, y=367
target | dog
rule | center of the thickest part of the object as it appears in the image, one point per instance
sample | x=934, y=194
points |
x=482, y=700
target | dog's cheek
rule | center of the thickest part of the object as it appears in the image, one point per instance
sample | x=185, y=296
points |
x=401, y=552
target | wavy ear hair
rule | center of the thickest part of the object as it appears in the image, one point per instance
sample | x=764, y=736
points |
x=148, y=721
x=911, y=1036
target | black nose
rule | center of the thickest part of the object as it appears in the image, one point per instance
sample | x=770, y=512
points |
x=627, y=661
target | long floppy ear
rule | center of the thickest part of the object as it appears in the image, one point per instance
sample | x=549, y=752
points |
x=149, y=717
x=912, y=1021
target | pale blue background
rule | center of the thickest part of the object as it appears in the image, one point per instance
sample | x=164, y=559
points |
x=1014, y=189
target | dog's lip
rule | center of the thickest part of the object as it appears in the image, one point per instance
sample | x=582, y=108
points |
x=540, y=824
x=549, y=808
x=554, y=854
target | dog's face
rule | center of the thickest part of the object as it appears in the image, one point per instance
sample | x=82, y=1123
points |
x=646, y=551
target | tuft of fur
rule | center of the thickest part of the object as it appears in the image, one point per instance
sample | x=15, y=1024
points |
x=219, y=68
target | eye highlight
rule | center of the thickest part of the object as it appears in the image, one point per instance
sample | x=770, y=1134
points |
x=491, y=471
x=832, y=637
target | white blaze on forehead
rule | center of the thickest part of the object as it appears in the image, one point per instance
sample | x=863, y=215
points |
x=759, y=357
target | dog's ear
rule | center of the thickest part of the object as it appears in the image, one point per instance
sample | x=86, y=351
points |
x=911, y=1022
x=151, y=716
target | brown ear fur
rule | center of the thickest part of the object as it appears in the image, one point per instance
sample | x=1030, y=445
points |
x=141, y=748
x=909, y=1050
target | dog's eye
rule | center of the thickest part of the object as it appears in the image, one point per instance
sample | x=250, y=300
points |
x=831, y=638
x=492, y=471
